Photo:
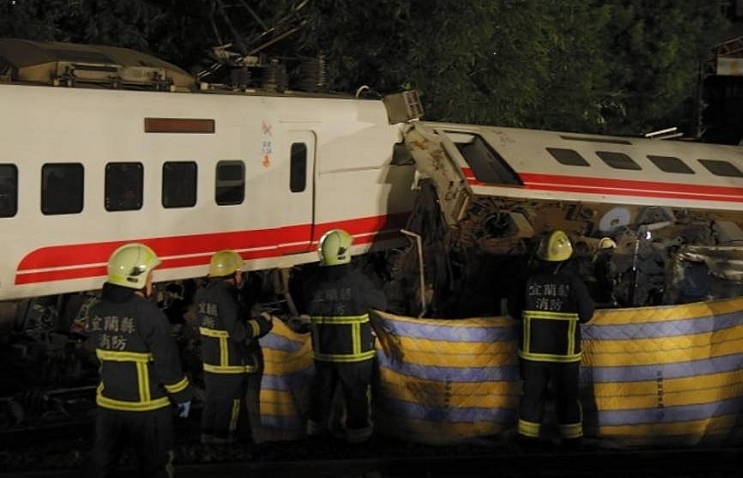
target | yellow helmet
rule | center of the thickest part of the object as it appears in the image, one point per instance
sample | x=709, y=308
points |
x=130, y=264
x=607, y=243
x=334, y=248
x=556, y=247
x=225, y=263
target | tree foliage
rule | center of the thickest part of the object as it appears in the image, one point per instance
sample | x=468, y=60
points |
x=657, y=46
x=613, y=66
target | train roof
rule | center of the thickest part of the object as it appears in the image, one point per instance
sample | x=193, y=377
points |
x=54, y=63
x=70, y=64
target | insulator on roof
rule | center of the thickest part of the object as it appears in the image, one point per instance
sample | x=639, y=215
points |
x=313, y=74
x=274, y=76
x=240, y=77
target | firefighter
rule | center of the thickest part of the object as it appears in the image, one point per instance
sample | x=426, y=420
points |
x=603, y=271
x=551, y=303
x=140, y=368
x=230, y=351
x=340, y=301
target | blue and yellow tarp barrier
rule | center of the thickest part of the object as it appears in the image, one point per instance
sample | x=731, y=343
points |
x=671, y=374
x=284, y=386
x=650, y=376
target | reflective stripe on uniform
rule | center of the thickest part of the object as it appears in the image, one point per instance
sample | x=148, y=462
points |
x=118, y=356
x=126, y=406
x=229, y=369
x=141, y=361
x=549, y=357
x=340, y=320
x=344, y=358
x=355, y=321
x=177, y=387
x=224, y=354
x=234, y=415
x=571, y=430
x=528, y=429
x=570, y=355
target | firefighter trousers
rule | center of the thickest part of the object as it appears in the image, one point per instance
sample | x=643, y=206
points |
x=565, y=379
x=225, y=410
x=149, y=433
x=354, y=379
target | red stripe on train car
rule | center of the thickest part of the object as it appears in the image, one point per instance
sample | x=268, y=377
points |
x=626, y=187
x=620, y=187
x=77, y=261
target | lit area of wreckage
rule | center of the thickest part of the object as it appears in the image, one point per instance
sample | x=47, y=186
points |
x=477, y=224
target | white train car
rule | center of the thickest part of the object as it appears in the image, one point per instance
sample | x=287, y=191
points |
x=555, y=166
x=85, y=169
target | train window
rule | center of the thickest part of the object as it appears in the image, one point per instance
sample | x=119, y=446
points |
x=179, y=184
x=618, y=160
x=567, y=157
x=721, y=168
x=230, y=188
x=670, y=164
x=124, y=184
x=298, y=168
x=62, y=188
x=487, y=165
x=8, y=190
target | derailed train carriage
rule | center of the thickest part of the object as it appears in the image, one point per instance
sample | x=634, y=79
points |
x=104, y=146
x=653, y=221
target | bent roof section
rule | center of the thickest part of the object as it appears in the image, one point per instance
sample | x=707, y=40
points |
x=38, y=62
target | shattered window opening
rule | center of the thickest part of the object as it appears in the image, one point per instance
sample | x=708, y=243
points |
x=487, y=165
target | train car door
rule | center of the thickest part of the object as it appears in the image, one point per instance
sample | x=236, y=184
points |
x=299, y=155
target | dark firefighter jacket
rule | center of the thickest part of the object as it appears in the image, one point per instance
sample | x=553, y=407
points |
x=229, y=338
x=338, y=300
x=140, y=362
x=552, y=303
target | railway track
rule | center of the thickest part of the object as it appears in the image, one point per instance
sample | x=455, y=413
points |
x=58, y=446
x=679, y=464
x=396, y=460
x=615, y=465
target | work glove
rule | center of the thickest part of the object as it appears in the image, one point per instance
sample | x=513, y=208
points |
x=261, y=324
x=184, y=408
